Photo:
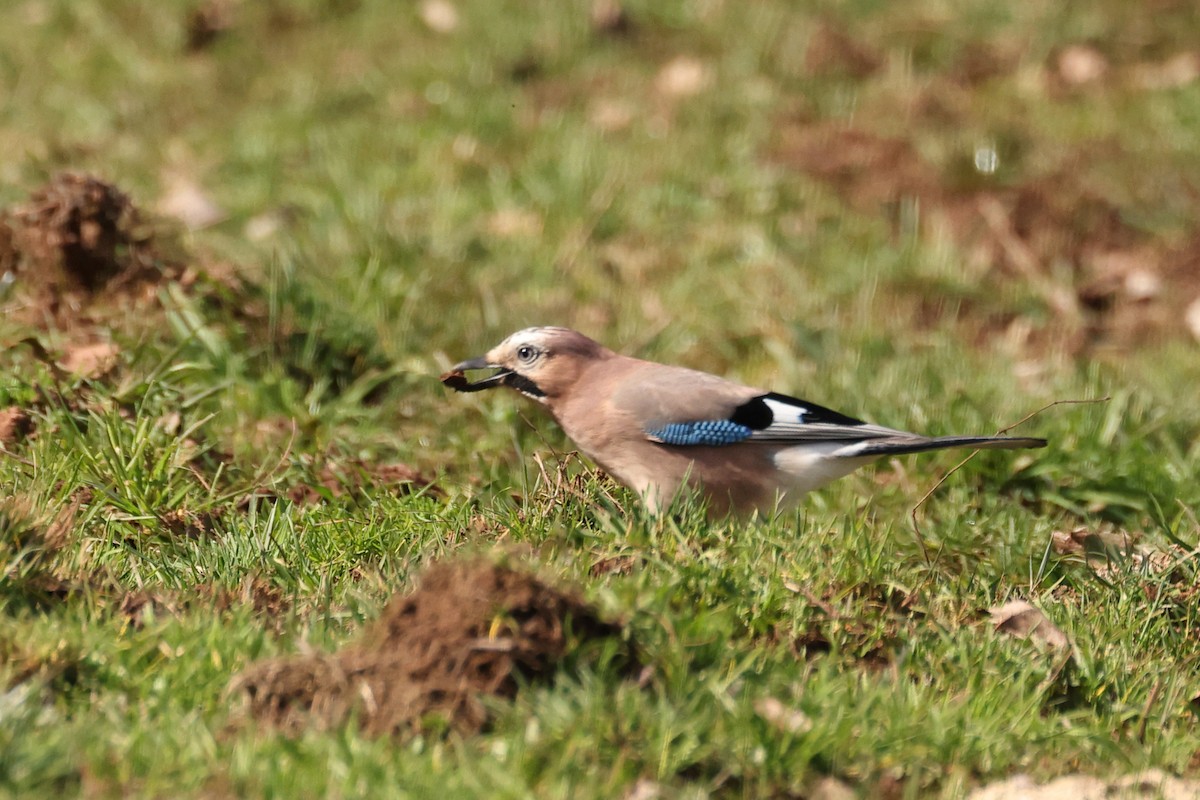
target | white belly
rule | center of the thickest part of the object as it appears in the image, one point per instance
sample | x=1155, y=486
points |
x=806, y=467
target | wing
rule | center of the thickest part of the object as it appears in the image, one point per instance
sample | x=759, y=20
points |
x=771, y=417
x=686, y=408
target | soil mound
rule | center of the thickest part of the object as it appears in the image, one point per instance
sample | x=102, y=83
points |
x=470, y=629
x=75, y=238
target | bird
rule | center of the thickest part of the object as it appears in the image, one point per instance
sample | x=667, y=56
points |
x=663, y=430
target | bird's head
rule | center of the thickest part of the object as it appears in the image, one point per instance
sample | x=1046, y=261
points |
x=542, y=363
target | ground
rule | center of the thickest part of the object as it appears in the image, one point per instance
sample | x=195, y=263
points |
x=252, y=547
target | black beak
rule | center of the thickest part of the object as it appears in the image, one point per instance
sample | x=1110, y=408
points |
x=457, y=380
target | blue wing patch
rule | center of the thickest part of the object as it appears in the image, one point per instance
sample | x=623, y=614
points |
x=712, y=433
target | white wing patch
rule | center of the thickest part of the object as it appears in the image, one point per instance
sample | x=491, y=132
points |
x=786, y=413
x=794, y=421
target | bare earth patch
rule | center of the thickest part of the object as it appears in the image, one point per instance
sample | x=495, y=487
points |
x=266, y=599
x=833, y=50
x=1150, y=785
x=352, y=478
x=470, y=629
x=1106, y=283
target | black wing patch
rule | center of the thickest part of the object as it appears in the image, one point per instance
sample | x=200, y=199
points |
x=757, y=415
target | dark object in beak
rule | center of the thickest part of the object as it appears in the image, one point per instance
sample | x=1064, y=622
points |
x=456, y=378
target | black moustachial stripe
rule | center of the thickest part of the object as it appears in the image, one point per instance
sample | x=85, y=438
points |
x=523, y=384
x=757, y=415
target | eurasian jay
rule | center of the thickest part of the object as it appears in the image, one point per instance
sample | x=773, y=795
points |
x=658, y=429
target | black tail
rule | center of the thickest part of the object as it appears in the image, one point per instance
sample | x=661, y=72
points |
x=921, y=444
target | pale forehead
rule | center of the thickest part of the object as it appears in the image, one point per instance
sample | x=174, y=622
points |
x=533, y=335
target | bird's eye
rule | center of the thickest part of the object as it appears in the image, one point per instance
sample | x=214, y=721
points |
x=526, y=353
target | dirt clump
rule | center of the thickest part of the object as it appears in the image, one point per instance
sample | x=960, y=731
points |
x=72, y=230
x=76, y=238
x=15, y=425
x=471, y=629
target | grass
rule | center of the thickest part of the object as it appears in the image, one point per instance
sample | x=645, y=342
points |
x=430, y=193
